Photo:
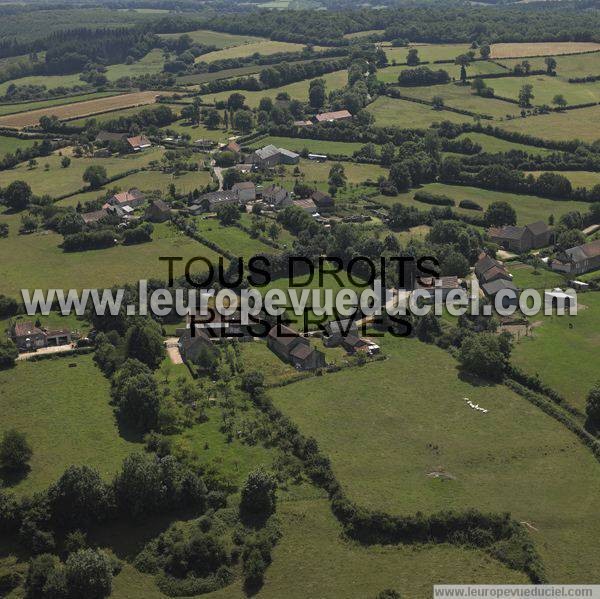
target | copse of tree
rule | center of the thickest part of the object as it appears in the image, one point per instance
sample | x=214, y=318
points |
x=17, y=195
x=88, y=573
x=526, y=95
x=422, y=76
x=258, y=499
x=228, y=214
x=316, y=93
x=485, y=355
x=499, y=214
x=89, y=240
x=95, y=176
x=412, y=58
x=15, y=451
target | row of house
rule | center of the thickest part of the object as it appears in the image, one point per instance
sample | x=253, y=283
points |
x=522, y=239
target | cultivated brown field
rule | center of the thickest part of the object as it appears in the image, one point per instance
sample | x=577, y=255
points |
x=518, y=50
x=79, y=109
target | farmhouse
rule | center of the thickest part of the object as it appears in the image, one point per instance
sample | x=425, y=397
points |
x=158, y=211
x=276, y=197
x=579, y=260
x=139, y=143
x=94, y=217
x=323, y=200
x=270, y=156
x=190, y=345
x=328, y=117
x=487, y=269
x=522, y=239
x=246, y=191
x=428, y=285
x=232, y=146
x=293, y=348
x=134, y=198
x=307, y=205
x=27, y=337
x=494, y=288
x=213, y=200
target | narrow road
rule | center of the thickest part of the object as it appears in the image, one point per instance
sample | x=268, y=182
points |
x=219, y=174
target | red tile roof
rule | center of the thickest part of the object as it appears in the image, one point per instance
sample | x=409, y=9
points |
x=333, y=116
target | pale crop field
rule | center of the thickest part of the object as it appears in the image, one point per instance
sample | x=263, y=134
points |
x=516, y=50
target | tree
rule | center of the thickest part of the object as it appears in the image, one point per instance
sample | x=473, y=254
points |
x=88, y=574
x=252, y=381
x=236, y=101
x=15, y=451
x=485, y=355
x=95, y=175
x=428, y=328
x=17, y=195
x=8, y=354
x=438, y=102
x=550, y=65
x=273, y=231
x=258, y=495
x=388, y=594
x=144, y=342
x=243, y=120
x=316, y=93
x=254, y=568
x=569, y=239
x=212, y=118
x=412, y=58
x=4, y=229
x=400, y=176
x=44, y=569
x=499, y=214
x=592, y=408
x=388, y=151
x=228, y=214
x=79, y=498
x=454, y=263
x=559, y=100
x=138, y=403
x=191, y=113
x=65, y=162
x=526, y=95
x=485, y=51
x=337, y=175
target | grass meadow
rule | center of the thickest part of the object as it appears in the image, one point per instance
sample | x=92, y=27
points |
x=526, y=277
x=578, y=178
x=215, y=38
x=403, y=113
x=43, y=264
x=529, y=208
x=243, y=50
x=565, y=350
x=480, y=67
x=493, y=145
x=68, y=421
x=389, y=424
x=10, y=144
x=427, y=52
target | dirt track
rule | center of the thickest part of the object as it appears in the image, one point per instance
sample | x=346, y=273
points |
x=79, y=109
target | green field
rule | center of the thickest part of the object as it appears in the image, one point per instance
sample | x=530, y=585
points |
x=25, y=106
x=42, y=264
x=69, y=421
x=297, y=90
x=10, y=144
x=58, y=181
x=525, y=277
x=545, y=88
x=215, y=38
x=558, y=126
x=568, y=66
x=578, y=178
x=50, y=81
x=241, y=51
x=150, y=64
x=528, y=208
x=198, y=131
x=493, y=145
x=411, y=115
x=565, y=350
x=387, y=425
x=317, y=146
x=231, y=239
x=461, y=97
x=428, y=52
x=479, y=67
x=217, y=75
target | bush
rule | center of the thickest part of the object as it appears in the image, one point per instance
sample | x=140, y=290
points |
x=469, y=205
x=8, y=354
x=431, y=198
x=15, y=451
x=89, y=574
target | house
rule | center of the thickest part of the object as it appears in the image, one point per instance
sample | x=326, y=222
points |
x=428, y=286
x=158, y=211
x=232, y=146
x=492, y=289
x=353, y=344
x=494, y=273
x=328, y=117
x=94, y=217
x=271, y=156
x=190, y=345
x=276, y=197
x=212, y=201
x=27, y=337
x=491, y=268
x=307, y=205
x=105, y=137
x=134, y=198
x=246, y=191
x=293, y=348
x=139, y=143
x=336, y=330
x=578, y=260
x=522, y=239
x=323, y=200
